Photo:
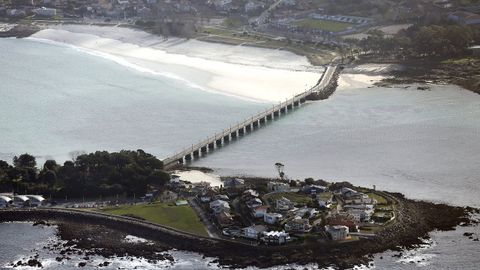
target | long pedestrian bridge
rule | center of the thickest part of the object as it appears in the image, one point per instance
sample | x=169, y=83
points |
x=322, y=90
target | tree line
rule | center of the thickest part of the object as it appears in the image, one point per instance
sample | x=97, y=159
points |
x=89, y=175
x=419, y=41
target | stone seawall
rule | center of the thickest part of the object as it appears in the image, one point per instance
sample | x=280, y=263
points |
x=329, y=89
x=414, y=219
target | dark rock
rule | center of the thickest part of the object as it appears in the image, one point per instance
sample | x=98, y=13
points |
x=82, y=264
x=34, y=263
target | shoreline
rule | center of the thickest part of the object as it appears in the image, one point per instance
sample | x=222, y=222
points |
x=460, y=72
x=81, y=229
x=238, y=71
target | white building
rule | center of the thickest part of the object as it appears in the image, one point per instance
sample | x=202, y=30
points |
x=218, y=206
x=36, y=200
x=283, y=204
x=337, y=232
x=259, y=211
x=254, y=231
x=45, y=12
x=278, y=187
x=5, y=201
x=20, y=200
x=275, y=237
x=272, y=218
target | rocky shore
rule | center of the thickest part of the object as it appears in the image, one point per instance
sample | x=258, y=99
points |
x=462, y=72
x=19, y=31
x=102, y=235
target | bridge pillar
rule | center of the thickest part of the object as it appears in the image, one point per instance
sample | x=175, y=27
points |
x=180, y=160
x=269, y=117
x=296, y=103
x=226, y=138
x=211, y=145
x=283, y=110
x=188, y=157
x=203, y=149
x=255, y=124
x=241, y=131
x=302, y=100
x=290, y=106
x=276, y=113
x=196, y=153
x=233, y=134
x=248, y=128
x=262, y=120
x=219, y=142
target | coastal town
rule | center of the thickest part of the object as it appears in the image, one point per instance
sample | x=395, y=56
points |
x=251, y=211
x=319, y=21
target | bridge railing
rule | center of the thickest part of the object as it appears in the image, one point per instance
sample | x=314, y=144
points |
x=323, y=81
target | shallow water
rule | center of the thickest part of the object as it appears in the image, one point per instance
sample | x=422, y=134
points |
x=65, y=100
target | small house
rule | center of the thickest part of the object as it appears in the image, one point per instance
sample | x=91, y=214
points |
x=36, y=200
x=272, y=218
x=254, y=231
x=5, y=201
x=224, y=219
x=278, y=187
x=313, y=189
x=275, y=237
x=301, y=225
x=283, y=204
x=337, y=232
x=21, y=201
x=218, y=206
x=234, y=183
x=259, y=211
x=254, y=203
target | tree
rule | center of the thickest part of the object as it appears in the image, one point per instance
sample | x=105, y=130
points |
x=25, y=161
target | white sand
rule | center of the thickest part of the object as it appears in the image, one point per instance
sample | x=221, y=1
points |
x=195, y=176
x=252, y=73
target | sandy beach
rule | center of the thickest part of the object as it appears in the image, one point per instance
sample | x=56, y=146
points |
x=257, y=74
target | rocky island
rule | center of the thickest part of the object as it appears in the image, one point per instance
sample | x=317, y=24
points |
x=262, y=222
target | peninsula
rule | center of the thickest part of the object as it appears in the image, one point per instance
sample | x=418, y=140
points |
x=244, y=222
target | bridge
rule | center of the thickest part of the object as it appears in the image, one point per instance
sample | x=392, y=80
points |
x=322, y=90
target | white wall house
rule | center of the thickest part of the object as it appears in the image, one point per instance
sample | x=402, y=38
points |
x=254, y=231
x=272, y=218
x=337, y=232
x=5, y=201
x=21, y=200
x=275, y=237
x=45, y=12
x=36, y=200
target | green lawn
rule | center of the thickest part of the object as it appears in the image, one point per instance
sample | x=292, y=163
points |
x=380, y=199
x=323, y=25
x=182, y=218
x=296, y=198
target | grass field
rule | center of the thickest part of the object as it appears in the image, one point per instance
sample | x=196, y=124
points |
x=380, y=199
x=294, y=197
x=182, y=218
x=323, y=25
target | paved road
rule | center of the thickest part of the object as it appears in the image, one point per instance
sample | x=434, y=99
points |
x=211, y=229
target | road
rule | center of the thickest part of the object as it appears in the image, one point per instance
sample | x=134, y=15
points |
x=211, y=229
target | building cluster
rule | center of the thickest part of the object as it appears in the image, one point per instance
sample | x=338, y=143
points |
x=8, y=200
x=276, y=213
x=97, y=9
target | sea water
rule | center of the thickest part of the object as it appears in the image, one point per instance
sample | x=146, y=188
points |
x=56, y=99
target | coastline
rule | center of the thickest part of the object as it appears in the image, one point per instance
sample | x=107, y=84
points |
x=80, y=228
x=256, y=74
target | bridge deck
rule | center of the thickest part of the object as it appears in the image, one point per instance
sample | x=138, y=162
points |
x=323, y=83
